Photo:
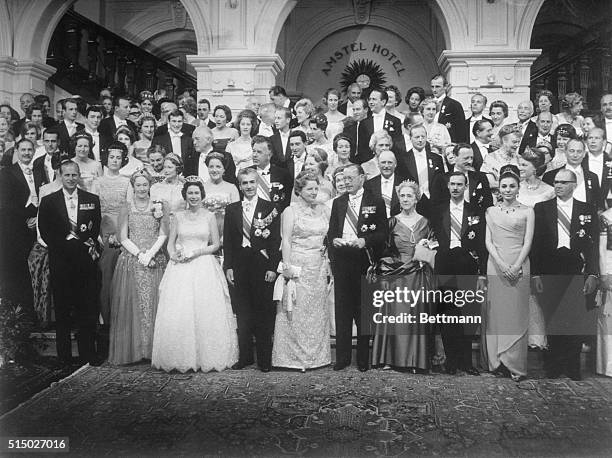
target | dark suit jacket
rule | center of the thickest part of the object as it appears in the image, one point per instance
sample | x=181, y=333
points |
x=366, y=128
x=529, y=137
x=593, y=193
x=606, y=180
x=69, y=256
x=342, y=107
x=282, y=185
x=188, y=153
x=584, y=238
x=406, y=166
x=64, y=136
x=480, y=191
x=187, y=129
x=279, y=157
x=39, y=170
x=374, y=186
x=472, y=232
x=453, y=117
x=107, y=130
x=468, y=120
x=478, y=159
x=371, y=226
x=232, y=235
x=14, y=193
x=351, y=131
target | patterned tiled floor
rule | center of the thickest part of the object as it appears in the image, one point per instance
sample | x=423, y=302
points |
x=139, y=411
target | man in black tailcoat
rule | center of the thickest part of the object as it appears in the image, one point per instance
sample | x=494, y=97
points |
x=251, y=242
x=564, y=263
x=69, y=223
x=358, y=223
x=273, y=182
x=461, y=262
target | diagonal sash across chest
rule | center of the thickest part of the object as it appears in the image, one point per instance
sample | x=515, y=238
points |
x=262, y=187
x=351, y=218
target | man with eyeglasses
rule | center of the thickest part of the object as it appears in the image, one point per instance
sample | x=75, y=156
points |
x=587, y=185
x=564, y=265
x=450, y=111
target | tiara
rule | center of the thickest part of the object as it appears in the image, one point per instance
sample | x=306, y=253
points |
x=509, y=170
x=194, y=179
x=174, y=156
x=141, y=172
x=407, y=183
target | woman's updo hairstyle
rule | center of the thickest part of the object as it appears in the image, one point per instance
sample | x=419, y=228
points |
x=194, y=182
x=536, y=158
x=176, y=160
x=215, y=155
x=510, y=171
x=116, y=145
x=126, y=131
x=141, y=173
x=301, y=180
x=73, y=142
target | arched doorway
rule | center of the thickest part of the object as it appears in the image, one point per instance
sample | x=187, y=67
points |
x=321, y=41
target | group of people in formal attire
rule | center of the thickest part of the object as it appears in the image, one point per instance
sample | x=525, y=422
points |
x=164, y=231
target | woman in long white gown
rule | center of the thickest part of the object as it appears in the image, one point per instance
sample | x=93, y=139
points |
x=604, y=317
x=195, y=327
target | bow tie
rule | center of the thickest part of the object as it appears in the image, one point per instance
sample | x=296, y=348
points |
x=173, y=135
x=387, y=181
x=247, y=206
x=27, y=170
x=264, y=173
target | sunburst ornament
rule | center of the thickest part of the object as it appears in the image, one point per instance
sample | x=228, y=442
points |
x=363, y=67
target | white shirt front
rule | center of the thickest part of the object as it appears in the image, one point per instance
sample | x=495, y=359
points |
x=284, y=136
x=543, y=138
x=298, y=163
x=354, y=203
x=563, y=237
x=248, y=210
x=580, y=191
x=439, y=101
x=265, y=130
x=484, y=149
x=96, y=143
x=420, y=158
x=72, y=204
x=609, y=129
x=203, y=168
x=70, y=127
x=119, y=122
x=28, y=174
x=457, y=212
x=176, y=142
x=48, y=169
x=349, y=108
x=386, y=189
x=379, y=120
x=473, y=120
x=596, y=163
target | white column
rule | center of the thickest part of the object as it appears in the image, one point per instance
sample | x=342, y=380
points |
x=19, y=76
x=229, y=80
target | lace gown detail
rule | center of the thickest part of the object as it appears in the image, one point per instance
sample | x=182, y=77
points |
x=303, y=341
x=134, y=292
x=195, y=327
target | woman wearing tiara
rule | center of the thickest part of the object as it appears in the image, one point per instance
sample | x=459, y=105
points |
x=139, y=270
x=506, y=314
x=195, y=327
x=169, y=191
x=534, y=190
x=408, y=261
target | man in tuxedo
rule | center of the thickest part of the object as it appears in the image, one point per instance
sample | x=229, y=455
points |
x=251, y=243
x=278, y=96
x=68, y=127
x=19, y=185
x=177, y=142
x=297, y=143
x=564, y=263
x=478, y=102
x=281, y=152
x=385, y=184
x=108, y=126
x=481, y=146
x=203, y=111
x=202, y=143
x=352, y=130
x=379, y=119
x=587, y=186
x=450, y=112
x=353, y=93
x=273, y=182
x=419, y=164
x=597, y=162
x=538, y=132
x=162, y=128
x=69, y=223
x=604, y=120
x=93, y=118
x=42, y=165
x=524, y=111
x=358, y=222
x=459, y=228
x=477, y=190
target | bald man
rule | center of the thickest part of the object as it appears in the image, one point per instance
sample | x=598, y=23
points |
x=384, y=184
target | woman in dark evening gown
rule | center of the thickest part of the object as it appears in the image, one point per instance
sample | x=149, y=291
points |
x=407, y=264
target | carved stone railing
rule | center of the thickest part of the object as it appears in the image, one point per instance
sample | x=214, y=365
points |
x=89, y=57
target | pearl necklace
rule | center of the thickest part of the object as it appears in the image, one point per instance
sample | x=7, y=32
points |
x=533, y=187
